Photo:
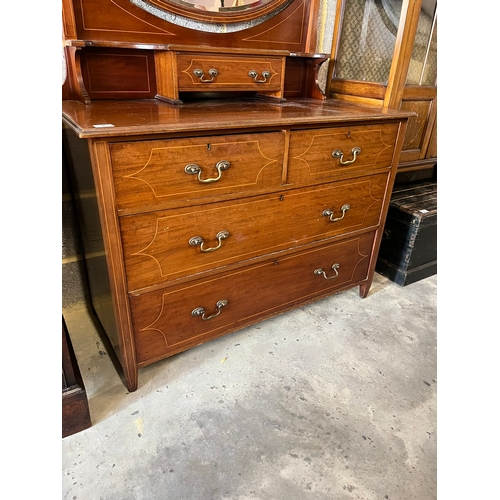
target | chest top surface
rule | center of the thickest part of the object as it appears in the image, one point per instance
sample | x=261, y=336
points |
x=143, y=117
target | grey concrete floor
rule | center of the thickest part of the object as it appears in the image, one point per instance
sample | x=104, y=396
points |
x=332, y=401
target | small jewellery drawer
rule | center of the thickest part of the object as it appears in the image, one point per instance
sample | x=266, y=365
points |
x=322, y=154
x=170, y=320
x=162, y=246
x=151, y=175
x=217, y=72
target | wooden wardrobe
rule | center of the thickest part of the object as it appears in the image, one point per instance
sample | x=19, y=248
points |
x=384, y=52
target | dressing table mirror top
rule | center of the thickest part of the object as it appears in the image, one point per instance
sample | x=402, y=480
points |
x=225, y=11
x=263, y=24
x=172, y=50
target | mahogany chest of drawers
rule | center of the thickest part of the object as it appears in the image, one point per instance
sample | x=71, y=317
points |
x=204, y=218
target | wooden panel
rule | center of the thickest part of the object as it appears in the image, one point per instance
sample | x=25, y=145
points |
x=369, y=90
x=302, y=77
x=416, y=124
x=295, y=77
x=164, y=323
x=157, y=249
x=311, y=152
x=151, y=174
x=166, y=76
x=116, y=73
x=68, y=19
x=69, y=365
x=291, y=29
x=75, y=407
x=422, y=101
x=432, y=148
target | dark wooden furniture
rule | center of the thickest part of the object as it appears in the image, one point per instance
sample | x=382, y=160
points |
x=75, y=407
x=385, y=53
x=203, y=212
x=408, y=252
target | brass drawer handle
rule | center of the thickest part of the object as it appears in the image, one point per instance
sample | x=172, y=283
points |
x=196, y=169
x=198, y=240
x=320, y=271
x=199, y=73
x=329, y=213
x=253, y=74
x=339, y=154
x=200, y=311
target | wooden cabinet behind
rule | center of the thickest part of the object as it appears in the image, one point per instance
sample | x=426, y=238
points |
x=385, y=53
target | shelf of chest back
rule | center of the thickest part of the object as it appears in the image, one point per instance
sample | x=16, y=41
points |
x=104, y=70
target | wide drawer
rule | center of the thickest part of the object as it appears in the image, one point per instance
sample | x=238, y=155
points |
x=216, y=72
x=330, y=153
x=171, y=320
x=162, y=246
x=151, y=175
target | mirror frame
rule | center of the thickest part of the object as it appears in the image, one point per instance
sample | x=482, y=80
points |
x=239, y=15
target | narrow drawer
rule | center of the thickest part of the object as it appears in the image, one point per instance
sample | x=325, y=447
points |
x=330, y=153
x=171, y=320
x=151, y=175
x=162, y=246
x=215, y=72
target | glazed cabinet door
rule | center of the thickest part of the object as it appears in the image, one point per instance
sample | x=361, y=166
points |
x=420, y=91
x=385, y=53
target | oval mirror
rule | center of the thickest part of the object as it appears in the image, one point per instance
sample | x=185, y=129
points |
x=220, y=11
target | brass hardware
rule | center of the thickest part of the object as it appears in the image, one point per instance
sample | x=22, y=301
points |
x=339, y=154
x=320, y=271
x=329, y=213
x=253, y=74
x=198, y=240
x=199, y=73
x=200, y=311
x=196, y=169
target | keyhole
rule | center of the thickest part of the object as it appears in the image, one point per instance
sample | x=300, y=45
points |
x=208, y=147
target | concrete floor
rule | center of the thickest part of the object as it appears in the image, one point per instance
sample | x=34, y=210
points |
x=332, y=401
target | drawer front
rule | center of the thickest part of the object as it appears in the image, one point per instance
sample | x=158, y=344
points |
x=171, y=320
x=213, y=72
x=330, y=153
x=151, y=175
x=162, y=246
